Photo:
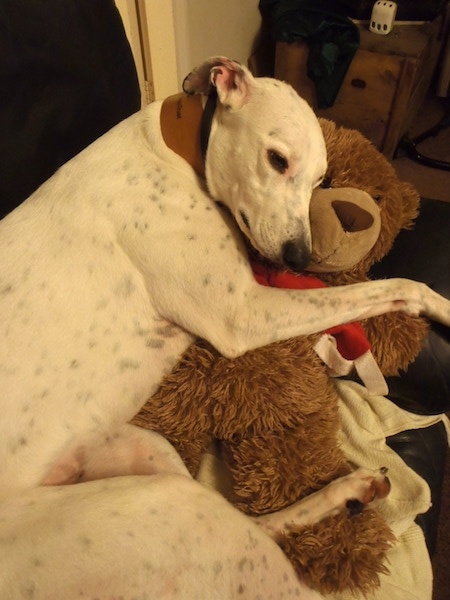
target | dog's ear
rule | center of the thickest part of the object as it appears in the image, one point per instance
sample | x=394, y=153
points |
x=228, y=77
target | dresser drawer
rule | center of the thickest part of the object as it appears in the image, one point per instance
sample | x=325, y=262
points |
x=367, y=97
x=384, y=85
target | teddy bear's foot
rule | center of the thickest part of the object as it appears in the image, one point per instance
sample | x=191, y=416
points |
x=342, y=553
x=352, y=492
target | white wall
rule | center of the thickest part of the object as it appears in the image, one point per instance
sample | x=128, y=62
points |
x=204, y=28
x=170, y=37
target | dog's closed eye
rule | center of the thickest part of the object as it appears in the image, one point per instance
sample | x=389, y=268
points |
x=245, y=219
x=277, y=161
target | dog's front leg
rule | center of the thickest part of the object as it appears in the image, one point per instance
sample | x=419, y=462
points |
x=235, y=314
x=271, y=314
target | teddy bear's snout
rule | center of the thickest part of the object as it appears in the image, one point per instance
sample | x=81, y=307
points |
x=351, y=216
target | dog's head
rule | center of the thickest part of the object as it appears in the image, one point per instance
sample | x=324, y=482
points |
x=265, y=156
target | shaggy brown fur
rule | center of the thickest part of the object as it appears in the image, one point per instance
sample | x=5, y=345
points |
x=274, y=410
x=354, y=162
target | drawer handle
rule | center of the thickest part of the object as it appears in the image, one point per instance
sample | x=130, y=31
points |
x=358, y=83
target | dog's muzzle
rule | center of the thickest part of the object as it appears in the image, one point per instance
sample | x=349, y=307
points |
x=295, y=255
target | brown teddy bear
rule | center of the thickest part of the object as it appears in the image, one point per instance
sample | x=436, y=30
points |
x=273, y=413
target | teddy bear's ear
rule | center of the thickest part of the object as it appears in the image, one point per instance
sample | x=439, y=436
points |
x=328, y=128
x=399, y=207
x=410, y=202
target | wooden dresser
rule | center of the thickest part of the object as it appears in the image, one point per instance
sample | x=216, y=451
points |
x=384, y=85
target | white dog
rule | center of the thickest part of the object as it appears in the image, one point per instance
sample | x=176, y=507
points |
x=107, y=273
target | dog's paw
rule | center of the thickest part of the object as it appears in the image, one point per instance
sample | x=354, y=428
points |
x=368, y=487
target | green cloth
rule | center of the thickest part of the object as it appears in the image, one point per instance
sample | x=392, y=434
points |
x=332, y=39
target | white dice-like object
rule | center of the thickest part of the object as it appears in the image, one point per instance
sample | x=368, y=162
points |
x=383, y=17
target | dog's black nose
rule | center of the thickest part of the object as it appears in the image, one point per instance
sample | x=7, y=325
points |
x=295, y=256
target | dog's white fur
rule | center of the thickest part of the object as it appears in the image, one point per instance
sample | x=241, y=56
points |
x=108, y=271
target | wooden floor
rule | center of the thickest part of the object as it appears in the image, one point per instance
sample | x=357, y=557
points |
x=431, y=183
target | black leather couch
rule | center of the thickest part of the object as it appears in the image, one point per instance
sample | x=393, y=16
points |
x=67, y=75
x=423, y=254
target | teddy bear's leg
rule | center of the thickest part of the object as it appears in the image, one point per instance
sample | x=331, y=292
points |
x=358, y=488
x=128, y=451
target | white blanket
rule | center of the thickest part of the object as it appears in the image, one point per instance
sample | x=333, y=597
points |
x=366, y=422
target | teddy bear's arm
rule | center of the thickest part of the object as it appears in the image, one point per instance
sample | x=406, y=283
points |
x=396, y=340
x=180, y=409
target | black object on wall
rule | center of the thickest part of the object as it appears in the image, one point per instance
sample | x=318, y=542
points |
x=67, y=75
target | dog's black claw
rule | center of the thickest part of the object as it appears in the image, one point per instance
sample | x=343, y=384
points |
x=354, y=507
